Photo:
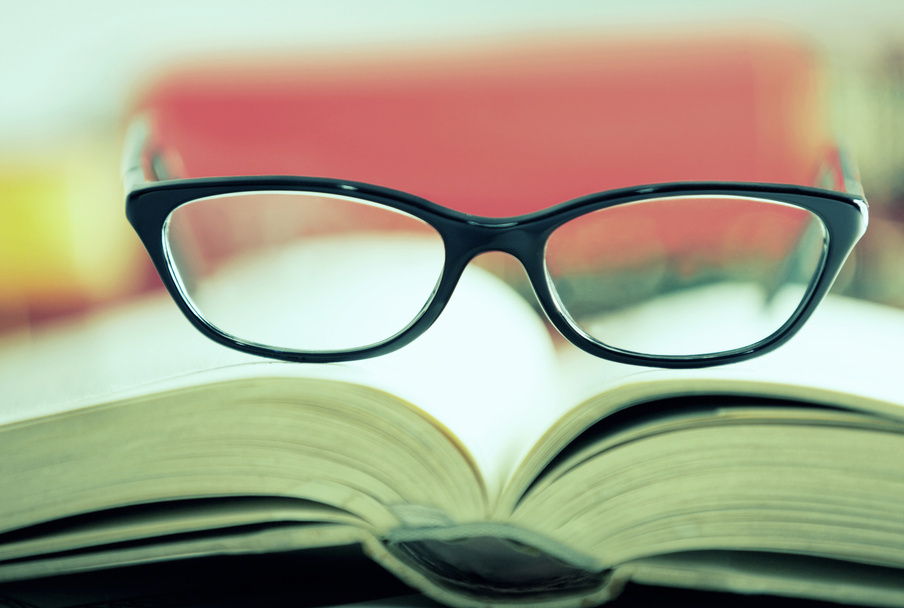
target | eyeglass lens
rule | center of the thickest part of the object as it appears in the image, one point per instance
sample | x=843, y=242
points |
x=685, y=275
x=303, y=271
x=673, y=276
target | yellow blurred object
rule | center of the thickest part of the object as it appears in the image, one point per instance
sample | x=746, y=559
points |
x=64, y=243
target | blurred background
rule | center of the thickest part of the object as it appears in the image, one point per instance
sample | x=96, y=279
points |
x=71, y=73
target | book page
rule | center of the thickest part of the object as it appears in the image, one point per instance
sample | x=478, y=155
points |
x=847, y=348
x=843, y=357
x=484, y=370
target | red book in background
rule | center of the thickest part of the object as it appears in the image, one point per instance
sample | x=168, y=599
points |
x=503, y=130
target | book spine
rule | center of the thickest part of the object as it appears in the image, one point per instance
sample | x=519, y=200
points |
x=489, y=563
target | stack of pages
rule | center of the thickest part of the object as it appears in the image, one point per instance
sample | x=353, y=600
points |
x=483, y=464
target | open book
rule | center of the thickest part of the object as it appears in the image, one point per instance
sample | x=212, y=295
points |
x=483, y=464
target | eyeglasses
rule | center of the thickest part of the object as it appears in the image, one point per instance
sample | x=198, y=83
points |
x=321, y=270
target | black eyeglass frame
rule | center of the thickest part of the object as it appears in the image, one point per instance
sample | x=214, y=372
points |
x=465, y=236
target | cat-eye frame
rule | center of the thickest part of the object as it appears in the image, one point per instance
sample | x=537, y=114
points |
x=311, y=269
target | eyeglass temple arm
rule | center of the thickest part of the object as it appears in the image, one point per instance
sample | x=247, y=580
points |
x=136, y=148
x=130, y=166
x=838, y=172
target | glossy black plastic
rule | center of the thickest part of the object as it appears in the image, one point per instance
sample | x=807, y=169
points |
x=466, y=236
